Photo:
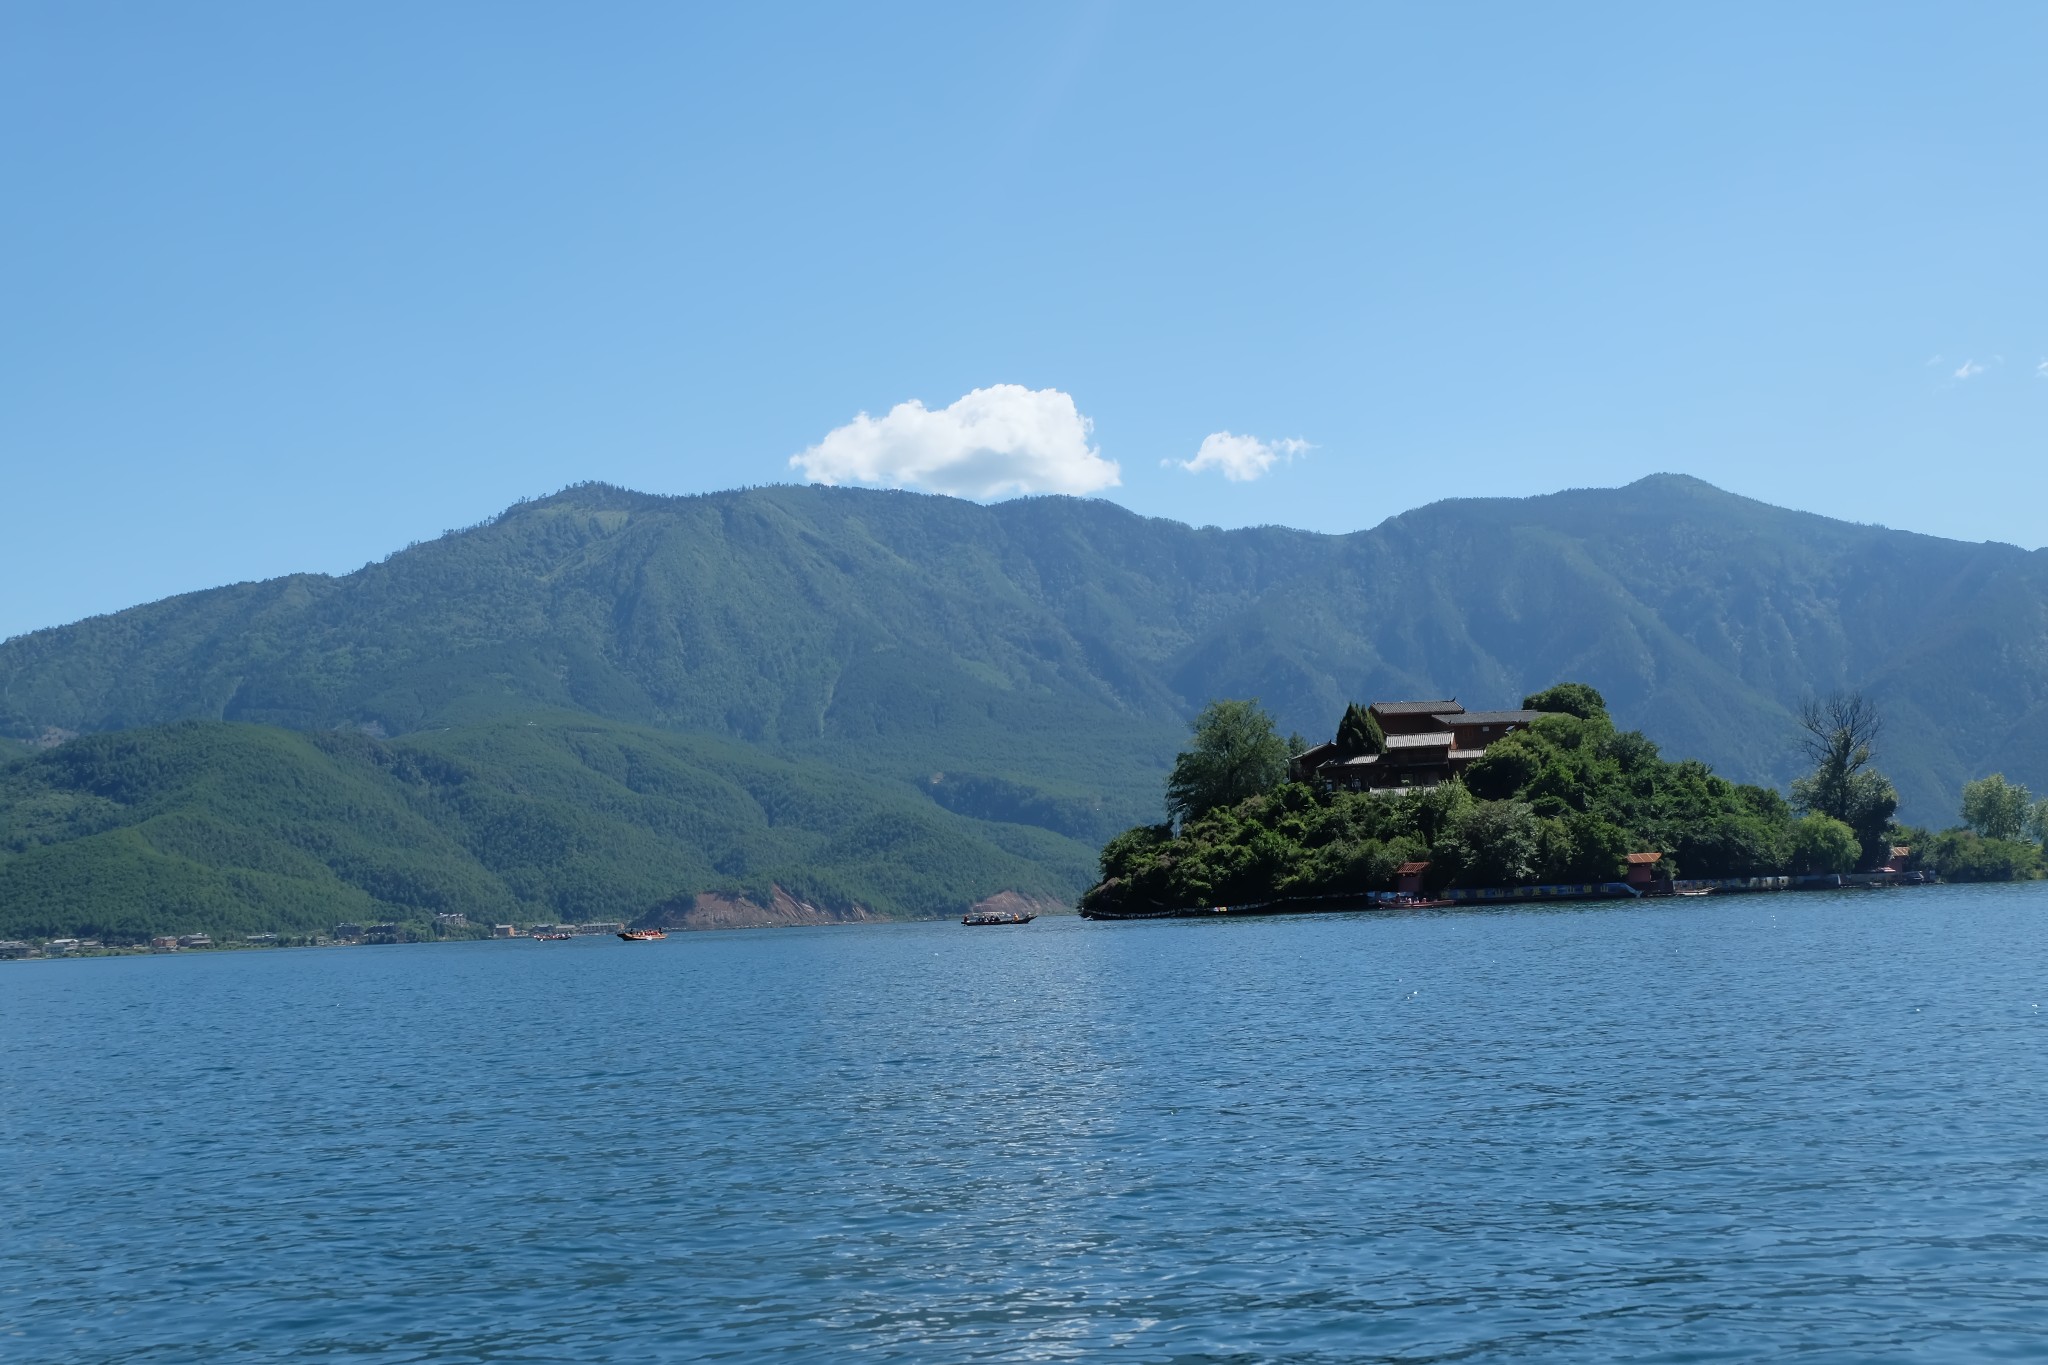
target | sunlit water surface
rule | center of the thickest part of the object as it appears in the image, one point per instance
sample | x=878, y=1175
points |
x=1794, y=1125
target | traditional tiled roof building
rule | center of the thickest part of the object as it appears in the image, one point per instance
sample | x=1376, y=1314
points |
x=1428, y=742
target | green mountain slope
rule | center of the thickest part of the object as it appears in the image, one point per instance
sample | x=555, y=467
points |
x=235, y=827
x=1034, y=661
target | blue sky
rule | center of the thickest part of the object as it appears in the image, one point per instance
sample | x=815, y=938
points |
x=286, y=287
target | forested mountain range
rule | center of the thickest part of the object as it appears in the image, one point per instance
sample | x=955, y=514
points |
x=1032, y=663
x=236, y=828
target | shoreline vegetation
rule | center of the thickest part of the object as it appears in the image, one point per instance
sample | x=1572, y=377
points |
x=1563, y=803
x=1566, y=806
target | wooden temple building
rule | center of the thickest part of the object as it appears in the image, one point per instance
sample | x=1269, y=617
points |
x=1427, y=742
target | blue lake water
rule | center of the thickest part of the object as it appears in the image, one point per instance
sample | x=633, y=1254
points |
x=1811, y=1125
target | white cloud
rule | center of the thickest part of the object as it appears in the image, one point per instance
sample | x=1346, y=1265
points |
x=998, y=441
x=1241, y=458
x=2042, y=369
x=1970, y=369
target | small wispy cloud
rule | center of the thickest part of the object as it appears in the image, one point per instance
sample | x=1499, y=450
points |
x=2041, y=370
x=1969, y=369
x=1240, y=459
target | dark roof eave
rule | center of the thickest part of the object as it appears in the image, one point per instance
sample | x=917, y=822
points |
x=1447, y=706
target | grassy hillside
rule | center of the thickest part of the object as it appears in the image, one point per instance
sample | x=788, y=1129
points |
x=232, y=828
x=1035, y=661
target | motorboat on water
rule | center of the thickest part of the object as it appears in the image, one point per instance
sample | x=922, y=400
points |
x=998, y=917
x=641, y=935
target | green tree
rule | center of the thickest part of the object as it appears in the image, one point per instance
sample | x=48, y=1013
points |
x=1963, y=855
x=1840, y=733
x=1434, y=810
x=1872, y=802
x=1491, y=843
x=2037, y=821
x=1997, y=809
x=1568, y=698
x=1821, y=843
x=1134, y=849
x=1509, y=765
x=1359, y=732
x=1353, y=865
x=1733, y=845
x=1235, y=755
x=1583, y=848
x=1137, y=865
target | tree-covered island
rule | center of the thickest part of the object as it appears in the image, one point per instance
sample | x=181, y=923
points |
x=1563, y=797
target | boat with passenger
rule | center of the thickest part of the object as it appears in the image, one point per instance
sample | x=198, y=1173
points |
x=998, y=917
x=641, y=935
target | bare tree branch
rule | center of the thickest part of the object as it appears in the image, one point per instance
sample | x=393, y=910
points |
x=1841, y=730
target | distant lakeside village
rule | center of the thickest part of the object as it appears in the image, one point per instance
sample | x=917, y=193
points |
x=1424, y=804
x=444, y=928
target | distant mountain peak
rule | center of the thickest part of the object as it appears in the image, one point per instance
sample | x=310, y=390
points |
x=1672, y=480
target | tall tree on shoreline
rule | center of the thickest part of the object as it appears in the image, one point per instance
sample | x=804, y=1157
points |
x=1841, y=732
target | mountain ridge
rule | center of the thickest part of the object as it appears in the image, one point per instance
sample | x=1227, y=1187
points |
x=1058, y=644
